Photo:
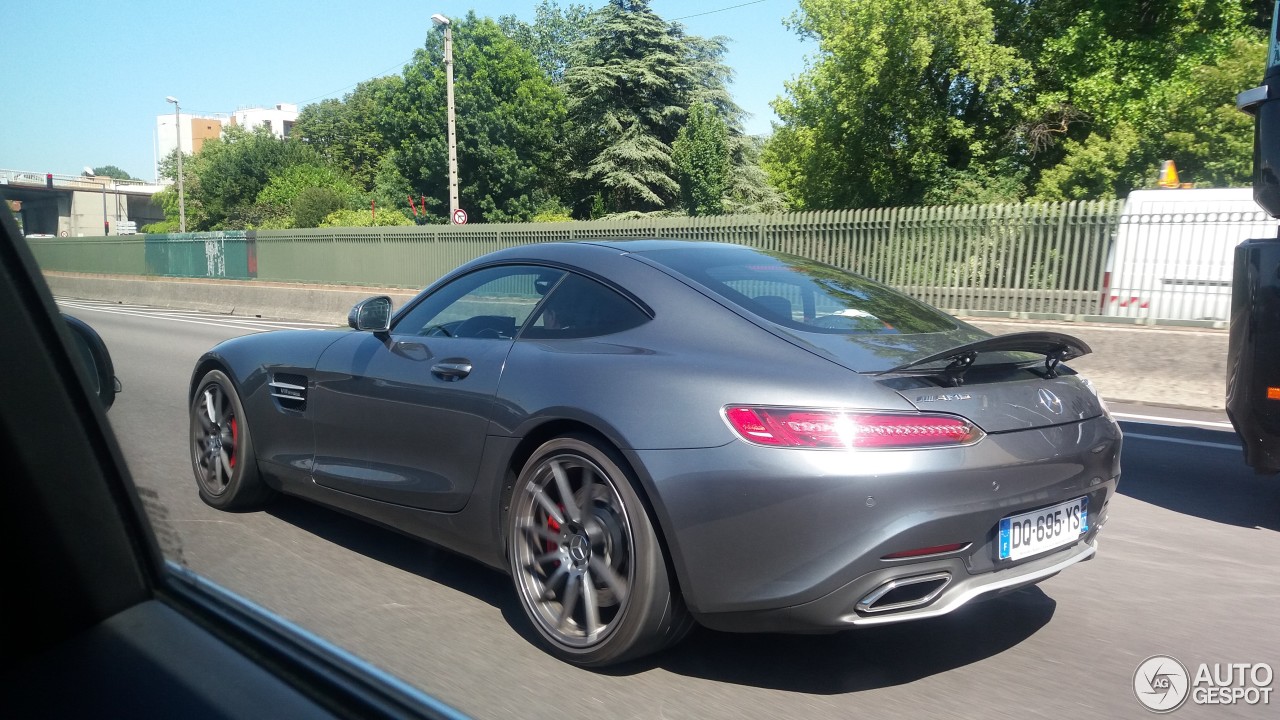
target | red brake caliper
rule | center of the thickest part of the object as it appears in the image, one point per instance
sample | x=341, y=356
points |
x=554, y=527
x=235, y=439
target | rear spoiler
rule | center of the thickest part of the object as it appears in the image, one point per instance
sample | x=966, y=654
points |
x=1056, y=348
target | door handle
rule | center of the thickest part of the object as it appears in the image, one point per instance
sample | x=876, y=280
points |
x=451, y=369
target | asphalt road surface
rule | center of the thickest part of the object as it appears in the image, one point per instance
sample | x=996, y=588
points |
x=1187, y=567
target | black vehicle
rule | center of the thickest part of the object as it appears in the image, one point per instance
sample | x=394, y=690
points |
x=1253, y=354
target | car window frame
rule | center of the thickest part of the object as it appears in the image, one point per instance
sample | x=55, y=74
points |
x=460, y=272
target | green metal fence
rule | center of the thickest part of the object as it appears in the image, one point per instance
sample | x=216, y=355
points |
x=1022, y=258
x=112, y=255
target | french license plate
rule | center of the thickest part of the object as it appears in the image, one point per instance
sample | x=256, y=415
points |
x=1045, y=529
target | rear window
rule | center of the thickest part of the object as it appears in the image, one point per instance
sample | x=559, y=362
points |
x=802, y=294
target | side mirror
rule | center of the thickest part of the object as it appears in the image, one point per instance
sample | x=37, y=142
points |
x=372, y=314
x=92, y=355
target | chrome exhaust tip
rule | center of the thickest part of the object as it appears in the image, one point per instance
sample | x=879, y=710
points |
x=905, y=592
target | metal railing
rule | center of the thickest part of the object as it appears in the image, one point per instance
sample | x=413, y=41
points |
x=1036, y=258
x=75, y=182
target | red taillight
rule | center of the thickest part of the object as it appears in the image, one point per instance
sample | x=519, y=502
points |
x=788, y=427
x=919, y=552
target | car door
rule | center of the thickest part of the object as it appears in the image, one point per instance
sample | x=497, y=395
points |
x=402, y=416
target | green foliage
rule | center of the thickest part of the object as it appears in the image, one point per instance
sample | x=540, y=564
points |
x=1144, y=82
x=364, y=218
x=230, y=172
x=899, y=90
x=162, y=227
x=510, y=121
x=633, y=78
x=749, y=190
x=701, y=157
x=553, y=36
x=281, y=195
x=958, y=101
x=111, y=171
x=347, y=132
x=313, y=204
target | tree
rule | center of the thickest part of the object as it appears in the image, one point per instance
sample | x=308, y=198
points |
x=749, y=190
x=313, y=204
x=629, y=88
x=993, y=100
x=553, y=36
x=348, y=132
x=111, y=171
x=701, y=157
x=510, y=125
x=230, y=172
x=1145, y=82
x=281, y=205
x=899, y=90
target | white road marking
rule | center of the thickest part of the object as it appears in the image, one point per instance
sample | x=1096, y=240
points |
x=189, y=317
x=1180, y=441
x=1176, y=421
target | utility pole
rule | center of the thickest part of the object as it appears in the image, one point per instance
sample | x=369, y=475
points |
x=444, y=22
x=182, y=199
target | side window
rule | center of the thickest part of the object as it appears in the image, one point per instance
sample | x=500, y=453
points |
x=491, y=303
x=580, y=307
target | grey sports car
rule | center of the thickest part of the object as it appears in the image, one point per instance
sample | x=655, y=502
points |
x=649, y=433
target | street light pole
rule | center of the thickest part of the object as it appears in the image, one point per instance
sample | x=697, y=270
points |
x=444, y=22
x=182, y=199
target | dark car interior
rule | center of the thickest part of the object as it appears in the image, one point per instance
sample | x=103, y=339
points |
x=94, y=623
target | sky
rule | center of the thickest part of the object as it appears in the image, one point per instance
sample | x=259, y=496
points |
x=85, y=79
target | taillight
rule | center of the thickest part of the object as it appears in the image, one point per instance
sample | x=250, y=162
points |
x=792, y=427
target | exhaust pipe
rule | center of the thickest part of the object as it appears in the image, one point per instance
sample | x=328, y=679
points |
x=905, y=592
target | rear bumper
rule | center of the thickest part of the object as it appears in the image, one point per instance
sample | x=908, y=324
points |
x=767, y=539
x=842, y=608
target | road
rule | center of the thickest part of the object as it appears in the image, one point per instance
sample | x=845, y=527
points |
x=1186, y=567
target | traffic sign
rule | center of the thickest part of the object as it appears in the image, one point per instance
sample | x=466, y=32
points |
x=459, y=217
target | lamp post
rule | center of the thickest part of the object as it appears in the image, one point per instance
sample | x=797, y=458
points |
x=182, y=199
x=443, y=21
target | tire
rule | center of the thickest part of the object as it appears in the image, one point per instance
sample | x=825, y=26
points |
x=222, y=456
x=598, y=554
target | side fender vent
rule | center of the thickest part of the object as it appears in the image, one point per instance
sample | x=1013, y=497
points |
x=289, y=391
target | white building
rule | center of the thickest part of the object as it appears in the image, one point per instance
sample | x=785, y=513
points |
x=279, y=119
x=196, y=129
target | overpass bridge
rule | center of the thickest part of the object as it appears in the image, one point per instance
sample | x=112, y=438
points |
x=57, y=205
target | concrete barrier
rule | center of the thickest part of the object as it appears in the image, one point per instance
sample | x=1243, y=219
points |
x=1170, y=366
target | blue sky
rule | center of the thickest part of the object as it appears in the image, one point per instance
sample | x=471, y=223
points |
x=85, y=79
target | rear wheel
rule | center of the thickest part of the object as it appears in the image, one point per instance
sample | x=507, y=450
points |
x=222, y=448
x=586, y=560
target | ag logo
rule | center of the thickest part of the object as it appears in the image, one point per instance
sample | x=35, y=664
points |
x=1161, y=684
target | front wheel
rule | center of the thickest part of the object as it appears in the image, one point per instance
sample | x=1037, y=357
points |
x=585, y=557
x=222, y=448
